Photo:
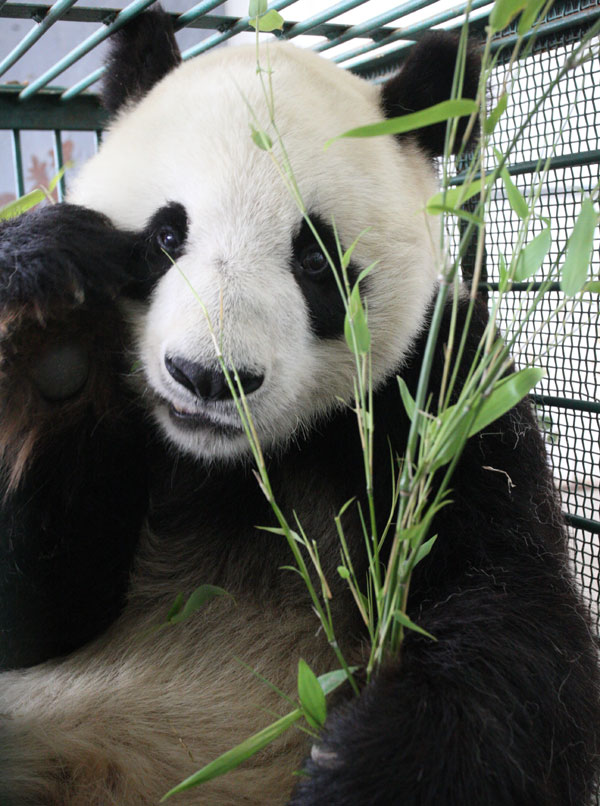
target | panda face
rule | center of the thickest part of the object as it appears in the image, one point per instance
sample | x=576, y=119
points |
x=244, y=277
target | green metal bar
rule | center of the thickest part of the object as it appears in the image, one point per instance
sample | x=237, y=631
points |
x=580, y=20
x=592, y=406
x=18, y=162
x=96, y=14
x=59, y=162
x=84, y=47
x=582, y=523
x=195, y=13
x=178, y=23
x=413, y=31
x=372, y=25
x=45, y=111
x=518, y=287
x=324, y=16
x=532, y=166
x=54, y=14
x=243, y=24
x=189, y=19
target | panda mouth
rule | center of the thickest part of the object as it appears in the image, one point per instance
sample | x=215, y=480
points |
x=197, y=420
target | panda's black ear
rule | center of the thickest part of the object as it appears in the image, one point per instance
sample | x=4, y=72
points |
x=425, y=79
x=140, y=54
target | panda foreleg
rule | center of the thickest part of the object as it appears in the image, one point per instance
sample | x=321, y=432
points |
x=501, y=710
x=72, y=494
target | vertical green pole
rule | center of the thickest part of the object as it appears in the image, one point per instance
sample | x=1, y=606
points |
x=58, y=161
x=18, y=162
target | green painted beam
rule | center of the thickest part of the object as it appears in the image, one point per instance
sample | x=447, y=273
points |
x=578, y=158
x=591, y=406
x=582, y=523
x=46, y=111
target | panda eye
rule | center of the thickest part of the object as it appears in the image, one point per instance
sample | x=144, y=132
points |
x=313, y=261
x=168, y=238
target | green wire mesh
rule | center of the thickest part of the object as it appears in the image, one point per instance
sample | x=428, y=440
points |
x=565, y=129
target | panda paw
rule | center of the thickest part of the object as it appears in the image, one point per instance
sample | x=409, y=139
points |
x=57, y=258
x=62, y=337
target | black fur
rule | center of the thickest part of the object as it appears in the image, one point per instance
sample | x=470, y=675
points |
x=62, y=255
x=67, y=537
x=141, y=54
x=426, y=79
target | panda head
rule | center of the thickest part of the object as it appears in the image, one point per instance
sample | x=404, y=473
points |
x=244, y=275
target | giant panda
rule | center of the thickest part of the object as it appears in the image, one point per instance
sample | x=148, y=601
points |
x=127, y=480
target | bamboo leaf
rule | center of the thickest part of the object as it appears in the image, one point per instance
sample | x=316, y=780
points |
x=455, y=197
x=503, y=12
x=579, y=250
x=496, y=113
x=277, y=530
x=346, y=257
x=270, y=21
x=196, y=600
x=234, y=757
x=459, y=107
x=514, y=195
x=533, y=255
x=261, y=139
x=332, y=680
x=424, y=549
x=503, y=272
x=246, y=749
x=257, y=7
x=530, y=12
x=311, y=696
x=407, y=399
x=21, y=205
x=355, y=324
x=175, y=607
x=410, y=624
x=365, y=272
x=436, y=209
x=507, y=393
x=56, y=179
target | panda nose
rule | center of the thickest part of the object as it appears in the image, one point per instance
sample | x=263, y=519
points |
x=208, y=384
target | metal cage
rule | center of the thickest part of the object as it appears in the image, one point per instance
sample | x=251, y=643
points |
x=42, y=44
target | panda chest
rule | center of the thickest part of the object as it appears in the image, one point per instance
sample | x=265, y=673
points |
x=207, y=674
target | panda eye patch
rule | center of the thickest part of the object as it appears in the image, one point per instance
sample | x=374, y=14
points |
x=317, y=280
x=167, y=230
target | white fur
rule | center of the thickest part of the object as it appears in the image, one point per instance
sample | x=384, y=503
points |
x=189, y=141
x=117, y=722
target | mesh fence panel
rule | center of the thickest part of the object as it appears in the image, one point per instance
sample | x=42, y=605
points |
x=566, y=130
